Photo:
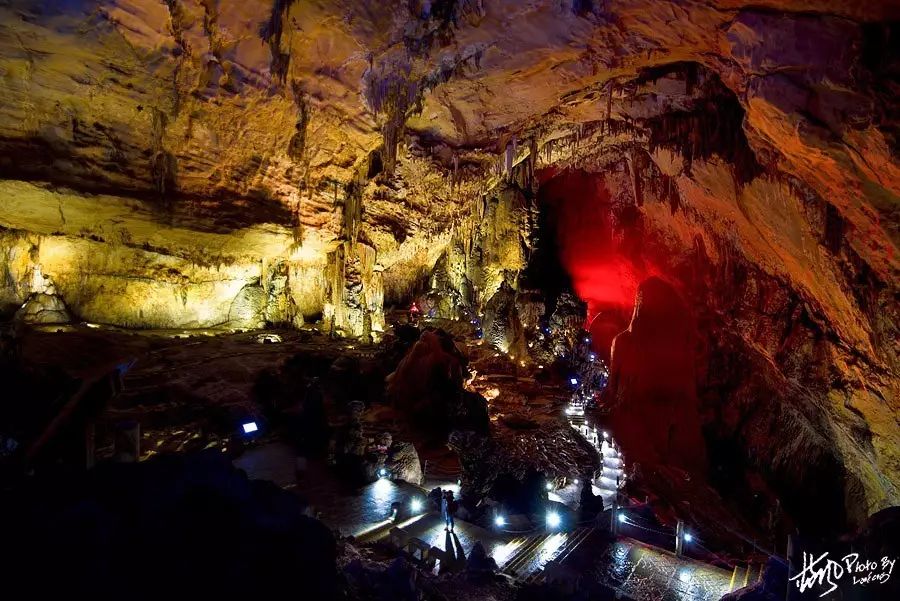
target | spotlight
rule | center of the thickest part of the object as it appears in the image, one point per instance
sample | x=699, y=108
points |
x=575, y=481
x=688, y=537
x=622, y=518
x=593, y=357
x=416, y=505
x=500, y=521
x=553, y=519
x=382, y=473
x=574, y=381
x=250, y=427
x=549, y=486
x=605, y=434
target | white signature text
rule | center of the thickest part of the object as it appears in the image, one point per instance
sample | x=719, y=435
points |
x=822, y=571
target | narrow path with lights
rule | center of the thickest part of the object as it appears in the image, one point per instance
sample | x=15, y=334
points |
x=612, y=470
x=645, y=573
x=639, y=570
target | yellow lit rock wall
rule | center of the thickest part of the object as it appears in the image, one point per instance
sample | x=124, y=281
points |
x=114, y=261
x=354, y=291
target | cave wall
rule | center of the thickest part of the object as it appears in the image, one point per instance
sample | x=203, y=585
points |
x=191, y=163
x=491, y=248
x=790, y=360
x=113, y=260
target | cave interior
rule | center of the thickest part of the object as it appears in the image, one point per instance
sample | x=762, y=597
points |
x=275, y=271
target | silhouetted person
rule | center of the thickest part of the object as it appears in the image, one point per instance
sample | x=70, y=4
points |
x=448, y=508
x=414, y=313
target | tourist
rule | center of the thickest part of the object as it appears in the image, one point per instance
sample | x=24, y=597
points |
x=414, y=313
x=448, y=508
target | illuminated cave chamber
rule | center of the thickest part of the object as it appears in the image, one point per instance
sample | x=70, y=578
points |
x=712, y=286
x=713, y=196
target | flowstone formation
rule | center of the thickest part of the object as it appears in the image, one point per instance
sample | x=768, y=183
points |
x=191, y=164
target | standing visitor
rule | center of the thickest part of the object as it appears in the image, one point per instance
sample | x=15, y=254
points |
x=448, y=508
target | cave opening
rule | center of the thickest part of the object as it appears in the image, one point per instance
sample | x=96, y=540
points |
x=584, y=246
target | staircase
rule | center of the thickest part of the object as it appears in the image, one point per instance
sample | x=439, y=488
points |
x=531, y=554
x=745, y=575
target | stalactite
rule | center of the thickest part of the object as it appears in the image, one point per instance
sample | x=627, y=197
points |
x=297, y=225
x=352, y=211
x=509, y=157
x=632, y=161
x=454, y=182
x=609, y=106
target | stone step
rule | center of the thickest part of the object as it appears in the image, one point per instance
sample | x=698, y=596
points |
x=522, y=564
x=524, y=554
x=737, y=578
x=754, y=574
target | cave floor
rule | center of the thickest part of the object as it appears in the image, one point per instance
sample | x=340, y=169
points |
x=640, y=571
x=644, y=573
x=189, y=391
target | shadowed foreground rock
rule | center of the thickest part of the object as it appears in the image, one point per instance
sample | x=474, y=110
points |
x=428, y=387
x=165, y=528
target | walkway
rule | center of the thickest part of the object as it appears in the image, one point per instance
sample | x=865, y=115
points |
x=640, y=571
x=429, y=528
x=645, y=573
x=525, y=557
x=351, y=511
x=612, y=472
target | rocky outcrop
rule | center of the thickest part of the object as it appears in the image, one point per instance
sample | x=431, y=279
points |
x=403, y=463
x=514, y=466
x=502, y=327
x=427, y=386
x=41, y=308
x=652, y=389
x=160, y=521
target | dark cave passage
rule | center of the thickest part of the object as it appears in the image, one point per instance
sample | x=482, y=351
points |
x=585, y=245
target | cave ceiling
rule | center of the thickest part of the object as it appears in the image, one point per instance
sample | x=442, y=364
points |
x=227, y=115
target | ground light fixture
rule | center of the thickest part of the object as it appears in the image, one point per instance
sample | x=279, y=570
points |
x=416, y=504
x=548, y=486
x=249, y=427
x=574, y=381
x=575, y=481
x=605, y=434
x=500, y=521
x=622, y=518
x=688, y=537
x=553, y=519
x=382, y=473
